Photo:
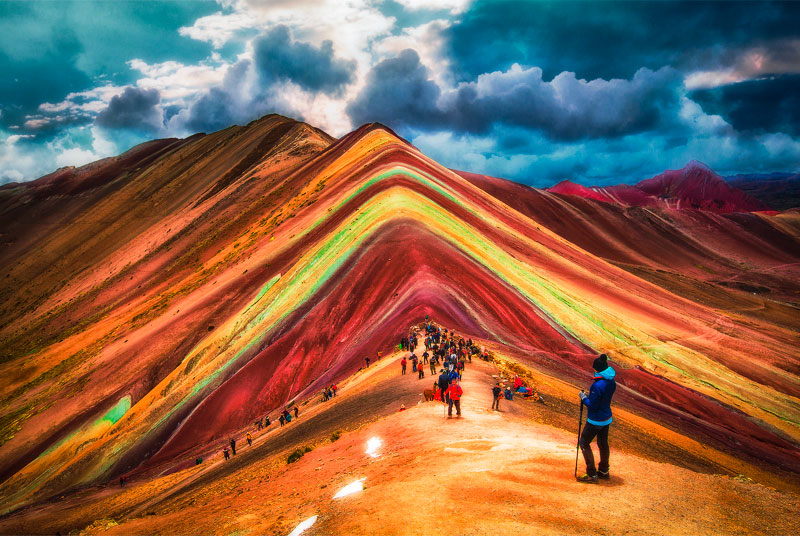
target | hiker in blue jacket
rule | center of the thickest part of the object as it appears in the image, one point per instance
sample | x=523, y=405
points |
x=598, y=419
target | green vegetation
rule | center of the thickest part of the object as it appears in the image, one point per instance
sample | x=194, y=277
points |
x=298, y=453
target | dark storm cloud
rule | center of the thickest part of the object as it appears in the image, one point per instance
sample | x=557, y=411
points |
x=51, y=49
x=278, y=57
x=134, y=109
x=218, y=108
x=400, y=94
x=765, y=105
x=611, y=39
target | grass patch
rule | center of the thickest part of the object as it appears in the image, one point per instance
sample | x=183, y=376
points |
x=336, y=435
x=298, y=453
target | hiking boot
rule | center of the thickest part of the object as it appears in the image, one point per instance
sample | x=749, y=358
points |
x=587, y=479
x=602, y=475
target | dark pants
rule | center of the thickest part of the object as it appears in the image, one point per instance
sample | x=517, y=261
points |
x=404, y=369
x=496, y=403
x=452, y=402
x=588, y=434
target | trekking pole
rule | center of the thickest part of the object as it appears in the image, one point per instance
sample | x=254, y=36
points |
x=578, y=446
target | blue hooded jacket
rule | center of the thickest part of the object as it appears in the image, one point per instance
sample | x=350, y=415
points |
x=599, y=399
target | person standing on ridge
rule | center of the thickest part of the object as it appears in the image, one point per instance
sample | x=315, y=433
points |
x=233, y=446
x=496, y=396
x=296, y=412
x=454, y=393
x=599, y=418
x=367, y=360
x=249, y=440
x=403, y=364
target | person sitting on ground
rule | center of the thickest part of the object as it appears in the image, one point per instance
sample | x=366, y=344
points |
x=508, y=394
x=437, y=393
x=402, y=407
x=599, y=418
x=517, y=383
x=496, y=396
x=454, y=393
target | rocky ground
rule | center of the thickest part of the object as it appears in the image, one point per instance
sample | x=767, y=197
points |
x=487, y=472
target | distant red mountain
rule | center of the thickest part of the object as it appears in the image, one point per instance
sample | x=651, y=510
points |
x=781, y=191
x=695, y=186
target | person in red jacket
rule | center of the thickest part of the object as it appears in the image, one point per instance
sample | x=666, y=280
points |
x=453, y=395
x=403, y=364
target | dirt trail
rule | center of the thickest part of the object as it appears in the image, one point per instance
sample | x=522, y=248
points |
x=488, y=472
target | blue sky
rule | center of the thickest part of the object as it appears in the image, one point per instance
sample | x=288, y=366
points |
x=595, y=92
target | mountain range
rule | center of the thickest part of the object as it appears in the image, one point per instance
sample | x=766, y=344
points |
x=155, y=303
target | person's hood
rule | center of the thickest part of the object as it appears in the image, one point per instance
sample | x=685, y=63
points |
x=607, y=374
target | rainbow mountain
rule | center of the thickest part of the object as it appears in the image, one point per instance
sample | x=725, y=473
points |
x=156, y=302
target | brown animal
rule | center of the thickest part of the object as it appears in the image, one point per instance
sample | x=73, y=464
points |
x=428, y=395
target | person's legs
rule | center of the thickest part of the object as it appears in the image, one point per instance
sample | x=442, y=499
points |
x=450, y=406
x=589, y=432
x=602, y=445
x=458, y=407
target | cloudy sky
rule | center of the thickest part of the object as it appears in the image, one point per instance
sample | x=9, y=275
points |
x=595, y=92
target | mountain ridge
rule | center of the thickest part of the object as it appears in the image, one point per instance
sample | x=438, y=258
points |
x=202, y=330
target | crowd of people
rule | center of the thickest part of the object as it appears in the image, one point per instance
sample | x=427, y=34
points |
x=445, y=351
x=449, y=353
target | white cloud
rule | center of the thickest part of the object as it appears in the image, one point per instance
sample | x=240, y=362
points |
x=454, y=6
x=219, y=28
x=75, y=157
x=178, y=82
x=780, y=57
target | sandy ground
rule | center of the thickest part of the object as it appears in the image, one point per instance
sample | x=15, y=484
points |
x=488, y=472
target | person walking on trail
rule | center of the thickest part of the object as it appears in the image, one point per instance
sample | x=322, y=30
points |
x=267, y=422
x=454, y=393
x=433, y=365
x=403, y=364
x=296, y=412
x=367, y=360
x=421, y=371
x=249, y=440
x=444, y=383
x=233, y=446
x=226, y=453
x=282, y=419
x=497, y=394
x=598, y=403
